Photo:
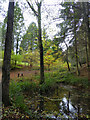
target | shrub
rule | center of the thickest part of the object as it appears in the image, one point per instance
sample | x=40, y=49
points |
x=29, y=87
x=16, y=95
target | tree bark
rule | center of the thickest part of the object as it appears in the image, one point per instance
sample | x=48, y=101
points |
x=88, y=32
x=87, y=59
x=38, y=15
x=7, y=56
x=85, y=8
x=17, y=44
x=67, y=56
x=68, y=64
x=40, y=45
x=76, y=51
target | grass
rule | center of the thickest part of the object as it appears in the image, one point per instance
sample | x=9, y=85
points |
x=22, y=63
x=63, y=76
x=16, y=96
x=21, y=89
x=49, y=83
x=17, y=91
x=29, y=87
x=52, y=79
x=13, y=67
x=72, y=79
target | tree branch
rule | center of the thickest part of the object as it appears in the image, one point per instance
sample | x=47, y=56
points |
x=35, y=12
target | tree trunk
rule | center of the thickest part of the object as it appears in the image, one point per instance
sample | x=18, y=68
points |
x=17, y=46
x=88, y=27
x=87, y=59
x=67, y=57
x=86, y=20
x=76, y=51
x=76, y=55
x=38, y=15
x=13, y=41
x=17, y=50
x=68, y=65
x=7, y=56
x=48, y=67
x=88, y=31
x=40, y=46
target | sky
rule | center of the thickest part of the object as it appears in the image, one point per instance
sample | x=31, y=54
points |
x=49, y=9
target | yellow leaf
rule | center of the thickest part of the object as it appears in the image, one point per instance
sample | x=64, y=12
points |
x=28, y=33
x=27, y=116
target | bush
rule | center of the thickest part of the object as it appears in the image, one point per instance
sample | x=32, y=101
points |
x=29, y=87
x=75, y=80
x=16, y=95
x=50, y=83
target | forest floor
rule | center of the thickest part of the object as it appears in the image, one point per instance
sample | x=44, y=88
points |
x=27, y=73
x=83, y=71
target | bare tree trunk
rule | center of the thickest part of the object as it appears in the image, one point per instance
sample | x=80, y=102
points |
x=76, y=51
x=87, y=59
x=13, y=41
x=17, y=44
x=86, y=11
x=38, y=15
x=68, y=65
x=88, y=27
x=67, y=57
x=88, y=31
x=7, y=56
x=40, y=46
x=76, y=55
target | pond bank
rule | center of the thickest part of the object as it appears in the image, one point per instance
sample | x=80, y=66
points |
x=64, y=96
x=62, y=103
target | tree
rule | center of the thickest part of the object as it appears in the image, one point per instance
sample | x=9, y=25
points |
x=32, y=58
x=63, y=34
x=14, y=58
x=7, y=56
x=4, y=27
x=71, y=14
x=86, y=13
x=48, y=58
x=85, y=10
x=75, y=38
x=30, y=38
x=67, y=56
x=38, y=15
x=18, y=26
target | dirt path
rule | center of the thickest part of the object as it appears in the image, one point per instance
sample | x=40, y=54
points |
x=26, y=73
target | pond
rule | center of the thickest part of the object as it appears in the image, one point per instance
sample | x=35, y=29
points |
x=64, y=102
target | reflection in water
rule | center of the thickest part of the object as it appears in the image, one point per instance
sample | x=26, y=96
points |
x=65, y=103
x=41, y=105
x=67, y=109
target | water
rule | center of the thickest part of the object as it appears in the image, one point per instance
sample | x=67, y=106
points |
x=65, y=102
